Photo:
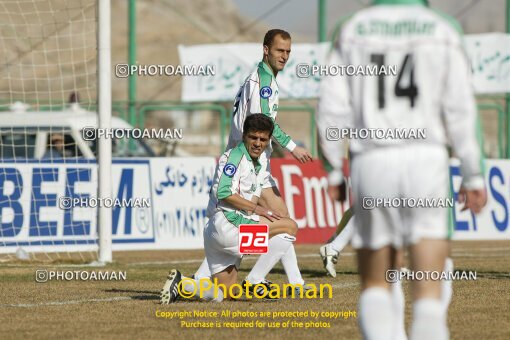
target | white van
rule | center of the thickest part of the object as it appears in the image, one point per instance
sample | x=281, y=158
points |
x=32, y=134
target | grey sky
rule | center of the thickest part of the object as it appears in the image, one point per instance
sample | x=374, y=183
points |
x=300, y=16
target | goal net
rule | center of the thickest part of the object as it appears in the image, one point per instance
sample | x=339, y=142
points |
x=48, y=86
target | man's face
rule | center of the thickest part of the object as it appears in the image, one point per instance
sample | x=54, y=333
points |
x=278, y=54
x=256, y=142
x=57, y=141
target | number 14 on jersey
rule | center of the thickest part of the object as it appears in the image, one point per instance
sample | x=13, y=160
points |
x=405, y=85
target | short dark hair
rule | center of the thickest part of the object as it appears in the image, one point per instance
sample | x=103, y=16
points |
x=258, y=122
x=269, y=37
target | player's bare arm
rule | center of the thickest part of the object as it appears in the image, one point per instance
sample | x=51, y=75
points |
x=277, y=224
x=251, y=207
x=301, y=154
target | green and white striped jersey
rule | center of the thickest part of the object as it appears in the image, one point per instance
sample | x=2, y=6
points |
x=258, y=94
x=236, y=173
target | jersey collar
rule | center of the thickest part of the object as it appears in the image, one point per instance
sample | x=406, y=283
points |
x=243, y=149
x=266, y=68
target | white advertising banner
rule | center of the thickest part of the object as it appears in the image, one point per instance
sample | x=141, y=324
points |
x=234, y=62
x=493, y=222
x=489, y=55
x=490, y=61
x=178, y=191
x=31, y=216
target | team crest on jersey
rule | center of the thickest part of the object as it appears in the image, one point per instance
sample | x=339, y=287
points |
x=266, y=92
x=229, y=169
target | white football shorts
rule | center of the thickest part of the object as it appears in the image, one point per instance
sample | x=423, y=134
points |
x=411, y=171
x=221, y=241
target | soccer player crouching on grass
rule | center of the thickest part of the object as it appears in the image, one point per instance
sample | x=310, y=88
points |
x=234, y=201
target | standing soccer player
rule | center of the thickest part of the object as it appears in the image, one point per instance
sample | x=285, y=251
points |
x=432, y=91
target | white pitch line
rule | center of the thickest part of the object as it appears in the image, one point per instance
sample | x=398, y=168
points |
x=253, y=258
x=247, y=258
x=120, y=298
x=50, y=265
x=459, y=253
x=345, y=285
x=164, y=262
x=492, y=249
x=61, y=303
x=477, y=255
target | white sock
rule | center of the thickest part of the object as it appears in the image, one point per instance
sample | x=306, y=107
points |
x=343, y=238
x=278, y=246
x=290, y=265
x=375, y=314
x=398, y=300
x=188, y=285
x=446, y=285
x=208, y=293
x=212, y=295
x=429, y=320
x=203, y=271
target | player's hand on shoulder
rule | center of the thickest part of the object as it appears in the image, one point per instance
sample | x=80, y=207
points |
x=473, y=200
x=301, y=154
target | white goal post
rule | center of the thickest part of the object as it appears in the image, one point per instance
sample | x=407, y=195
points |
x=105, y=114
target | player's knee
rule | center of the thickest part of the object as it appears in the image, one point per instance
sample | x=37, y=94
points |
x=292, y=227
